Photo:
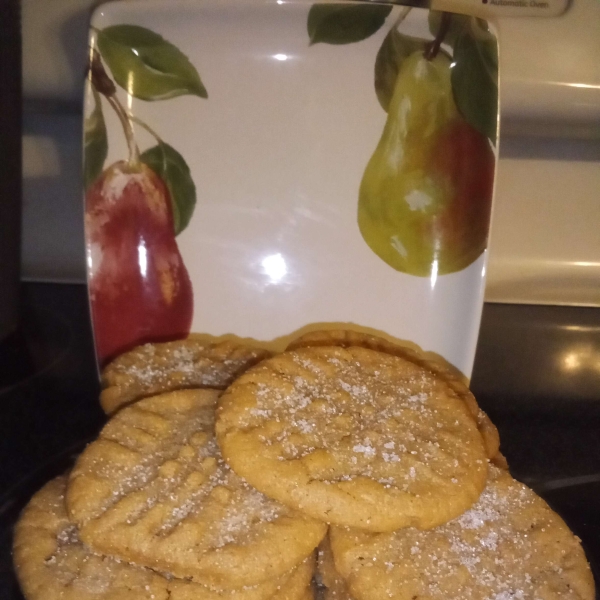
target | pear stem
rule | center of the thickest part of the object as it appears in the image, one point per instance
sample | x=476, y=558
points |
x=105, y=86
x=434, y=47
x=134, y=152
x=147, y=128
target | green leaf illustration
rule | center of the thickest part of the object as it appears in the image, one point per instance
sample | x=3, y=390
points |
x=171, y=167
x=395, y=48
x=345, y=23
x=457, y=25
x=95, y=143
x=146, y=65
x=475, y=79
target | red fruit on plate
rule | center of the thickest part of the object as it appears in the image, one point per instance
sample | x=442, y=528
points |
x=140, y=290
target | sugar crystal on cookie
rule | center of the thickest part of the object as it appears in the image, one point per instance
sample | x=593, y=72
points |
x=508, y=545
x=154, y=489
x=327, y=416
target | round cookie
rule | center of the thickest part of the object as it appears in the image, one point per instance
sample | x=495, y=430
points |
x=509, y=546
x=347, y=338
x=353, y=437
x=154, y=490
x=157, y=368
x=333, y=582
x=52, y=563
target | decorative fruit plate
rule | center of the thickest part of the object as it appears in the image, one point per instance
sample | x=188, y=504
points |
x=261, y=168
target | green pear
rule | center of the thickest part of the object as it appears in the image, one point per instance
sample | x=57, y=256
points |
x=425, y=196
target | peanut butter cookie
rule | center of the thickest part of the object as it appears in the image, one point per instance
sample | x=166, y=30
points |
x=154, y=490
x=52, y=563
x=509, y=546
x=347, y=338
x=157, y=368
x=353, y=437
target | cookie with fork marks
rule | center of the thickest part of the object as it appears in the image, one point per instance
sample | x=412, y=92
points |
x=347, y=338
x=154, y=490
x=153, y=369
x=52, y=563
x=353, y=437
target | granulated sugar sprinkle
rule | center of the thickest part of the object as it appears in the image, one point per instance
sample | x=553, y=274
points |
x=510, y=543
x=156, y=368
x=378, y=421
x=165, y=472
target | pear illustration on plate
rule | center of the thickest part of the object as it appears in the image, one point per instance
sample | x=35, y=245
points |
x=140, y=290
x=425, y=196
x=139, y=286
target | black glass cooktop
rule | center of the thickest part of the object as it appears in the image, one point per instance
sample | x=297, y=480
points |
x=530, y=375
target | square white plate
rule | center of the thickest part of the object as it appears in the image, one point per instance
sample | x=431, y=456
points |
x=277, y=152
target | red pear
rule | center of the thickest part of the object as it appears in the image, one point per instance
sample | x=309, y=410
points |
x=140, y=290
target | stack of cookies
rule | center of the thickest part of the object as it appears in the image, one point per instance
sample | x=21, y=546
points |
x=223, y=469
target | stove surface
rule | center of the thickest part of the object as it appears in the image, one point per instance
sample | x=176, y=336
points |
x=49, y=410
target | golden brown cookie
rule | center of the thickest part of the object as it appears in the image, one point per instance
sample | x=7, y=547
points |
x=353, y=437
x=347, y=338
x=154, y=490
x=290, y=586
x=333, y=582
x=52, y=563
x=509, y=546
x=157, y=368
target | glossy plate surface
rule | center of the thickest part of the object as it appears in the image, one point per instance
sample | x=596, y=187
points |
x=278, y=110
